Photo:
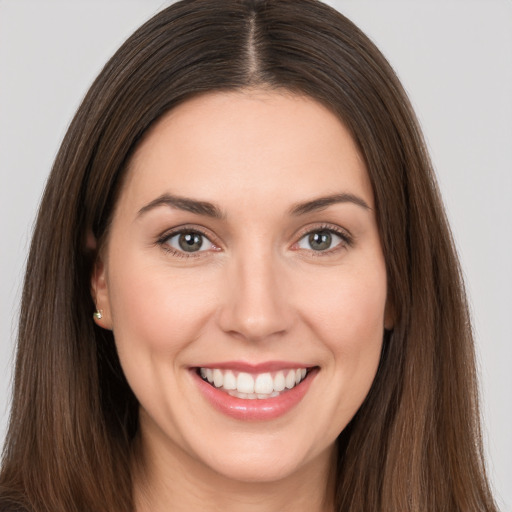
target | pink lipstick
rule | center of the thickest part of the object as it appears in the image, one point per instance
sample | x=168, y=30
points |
x=257, y=392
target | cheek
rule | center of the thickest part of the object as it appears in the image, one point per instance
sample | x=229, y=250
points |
x=154, y=309
x=347, y=316
x=348, y=309
x=344, y=311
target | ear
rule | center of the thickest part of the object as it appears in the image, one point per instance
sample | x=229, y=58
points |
x=100, y=295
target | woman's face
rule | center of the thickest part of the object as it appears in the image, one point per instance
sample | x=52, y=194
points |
x=243, y=258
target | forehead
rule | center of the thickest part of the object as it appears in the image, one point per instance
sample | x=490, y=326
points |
x=247, y=144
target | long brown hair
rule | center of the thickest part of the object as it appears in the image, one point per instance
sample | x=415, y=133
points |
x=415, y=444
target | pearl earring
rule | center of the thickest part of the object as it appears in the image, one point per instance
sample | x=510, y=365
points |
x=98, y=314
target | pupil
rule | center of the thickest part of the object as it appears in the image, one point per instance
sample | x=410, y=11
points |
x=320, y=241
x=190, y=242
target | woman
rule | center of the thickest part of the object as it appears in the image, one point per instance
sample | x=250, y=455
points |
x=255, y=345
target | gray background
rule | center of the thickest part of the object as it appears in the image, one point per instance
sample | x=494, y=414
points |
x=454, y=58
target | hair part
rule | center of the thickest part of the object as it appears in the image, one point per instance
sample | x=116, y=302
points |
x=415, y=443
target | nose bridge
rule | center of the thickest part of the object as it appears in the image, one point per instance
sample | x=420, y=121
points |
x=255, y=306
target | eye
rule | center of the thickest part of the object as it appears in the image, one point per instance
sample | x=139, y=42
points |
x=188, y=242
x=322, y=240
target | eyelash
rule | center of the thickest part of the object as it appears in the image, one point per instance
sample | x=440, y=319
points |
x=164, y=239
x=346, y=240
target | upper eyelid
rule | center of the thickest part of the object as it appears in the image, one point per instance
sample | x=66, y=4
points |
x=344, y=233
x=169, y=233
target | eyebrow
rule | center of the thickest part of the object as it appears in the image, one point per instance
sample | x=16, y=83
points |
x=210, y=210
x=323, y=202
x=185, y=204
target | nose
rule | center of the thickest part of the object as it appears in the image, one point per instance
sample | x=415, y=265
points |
x=255, y=304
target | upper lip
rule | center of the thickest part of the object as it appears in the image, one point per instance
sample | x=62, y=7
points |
x=267, y=366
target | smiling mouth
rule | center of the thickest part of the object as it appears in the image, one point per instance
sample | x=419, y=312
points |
x=254, y=386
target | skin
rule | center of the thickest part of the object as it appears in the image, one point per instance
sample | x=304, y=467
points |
x=258, y=292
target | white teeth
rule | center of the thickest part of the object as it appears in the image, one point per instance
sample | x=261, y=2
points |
x=250, y=387
x=218, y=378
x=229, y=380
x=279, y=381
x=252, y=396
x=264, y=384
x=290, y=379
x=245, y=383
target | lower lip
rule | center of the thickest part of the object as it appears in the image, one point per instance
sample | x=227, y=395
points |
x=256, y=409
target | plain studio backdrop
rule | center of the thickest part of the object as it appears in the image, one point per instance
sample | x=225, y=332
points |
x=454, y=57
